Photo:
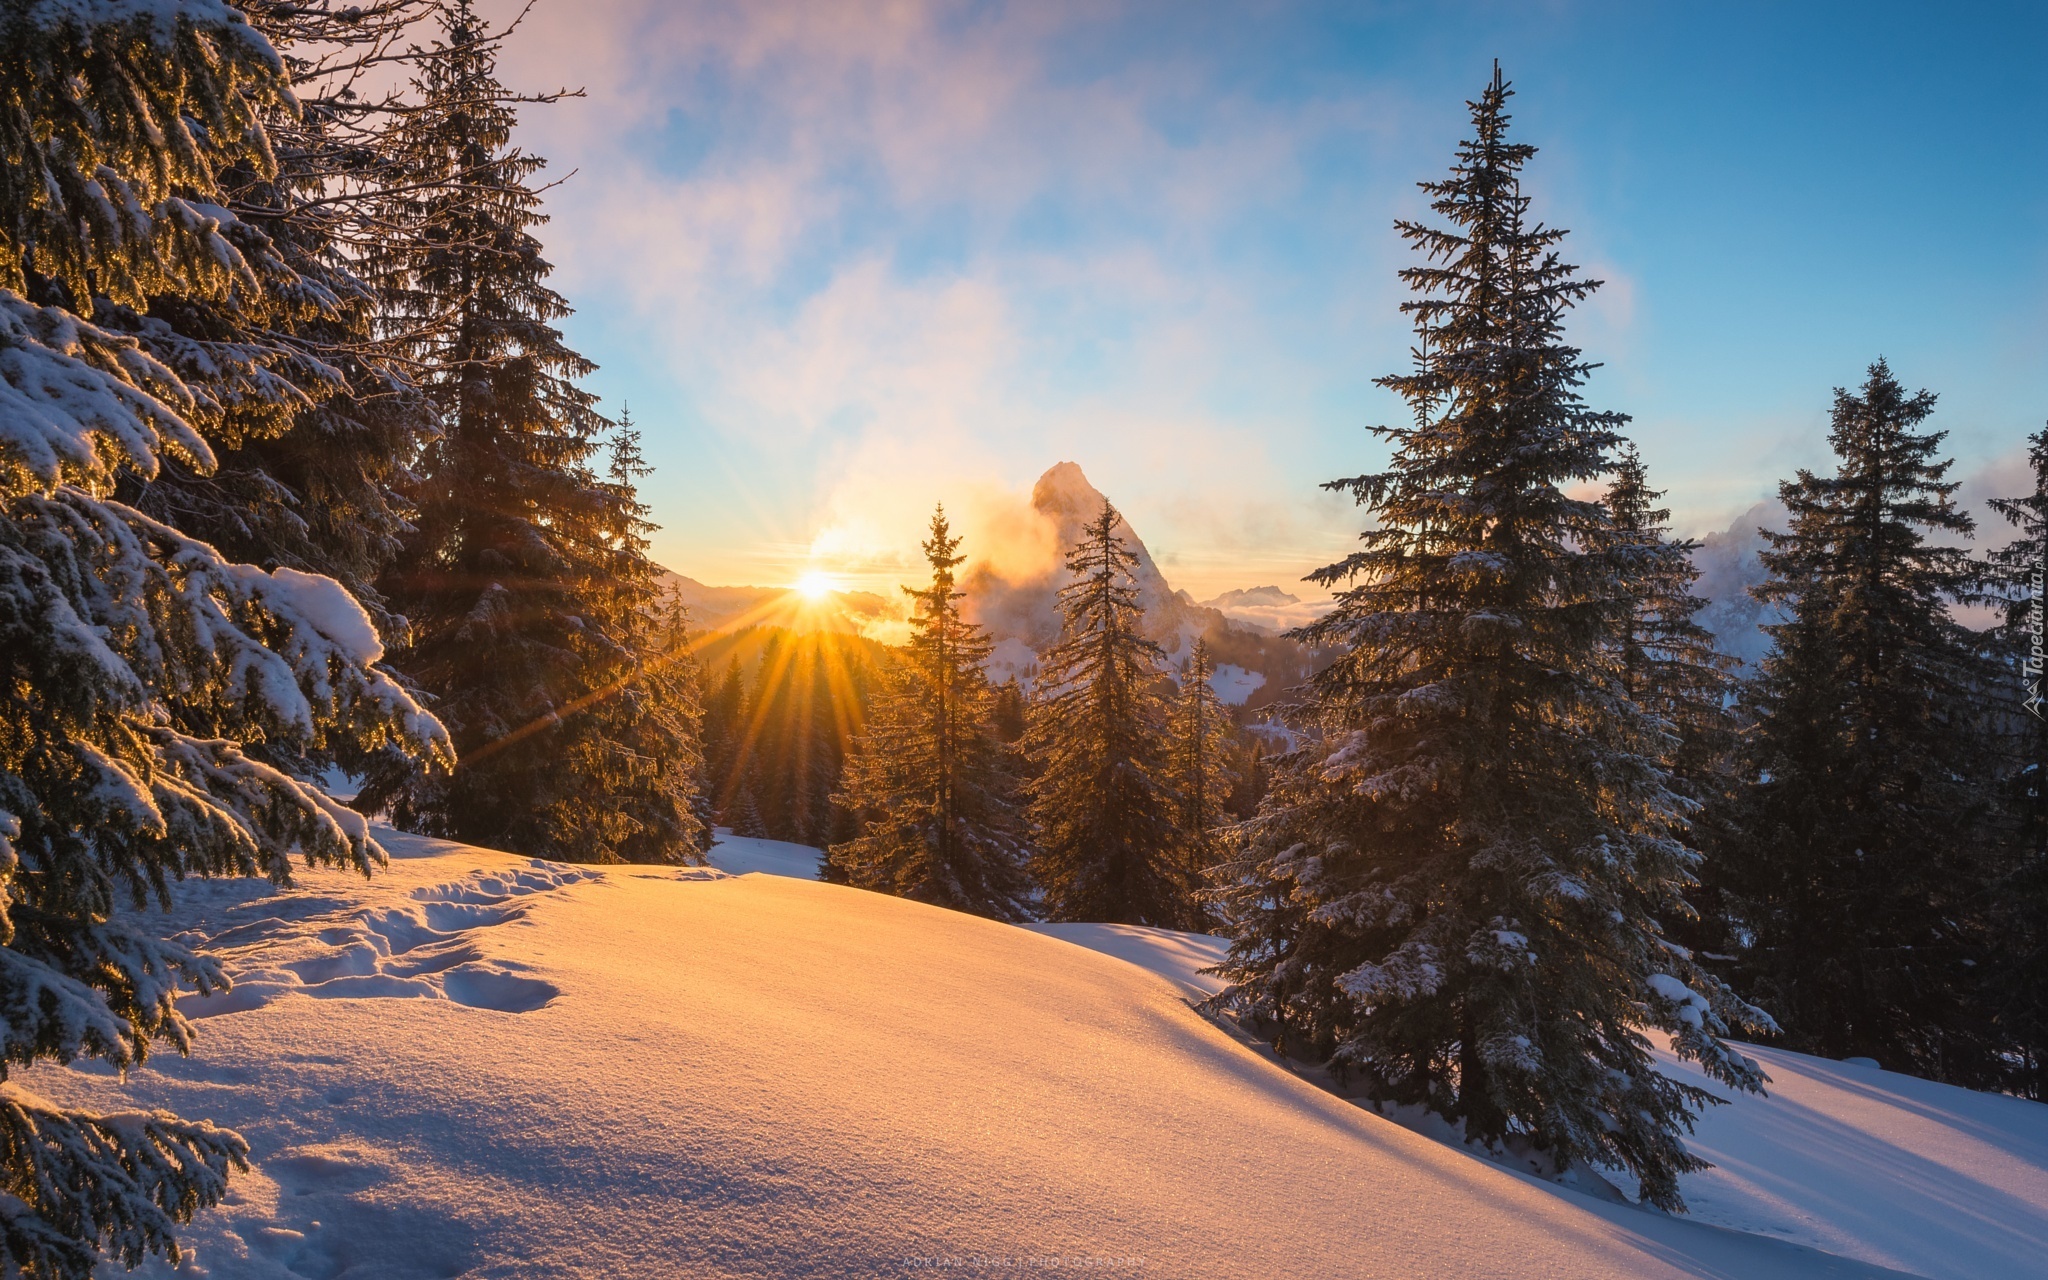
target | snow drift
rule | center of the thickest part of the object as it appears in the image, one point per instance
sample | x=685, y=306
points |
x=476, y=1065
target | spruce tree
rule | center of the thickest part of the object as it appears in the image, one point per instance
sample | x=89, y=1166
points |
x=1250, y=773
x=137, y=661
x=927, y=781
x=1453, y=894
x=746, y=816
x=1852, y=885
x=787, y=764
x=1671, y=669
x=509, y=576
x=724, y=706
x=1855, y=883
x=1106, y=840
x=2017, y=984
x=305, y=480
x=1008, y=715
x=641, y=746
x=1200, y=747
x=1669, y=664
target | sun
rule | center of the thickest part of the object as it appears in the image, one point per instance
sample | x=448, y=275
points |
x=816, y=584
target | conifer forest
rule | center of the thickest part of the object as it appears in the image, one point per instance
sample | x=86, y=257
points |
x=549, y=730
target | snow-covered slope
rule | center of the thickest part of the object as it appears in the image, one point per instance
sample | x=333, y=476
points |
x=740, y=855
x=1904, y=1173
x=474, y=1065
x=1923, y=1177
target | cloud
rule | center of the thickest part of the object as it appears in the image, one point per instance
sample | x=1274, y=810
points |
x=867, y=256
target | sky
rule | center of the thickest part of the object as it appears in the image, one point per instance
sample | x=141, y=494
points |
x=845, y=260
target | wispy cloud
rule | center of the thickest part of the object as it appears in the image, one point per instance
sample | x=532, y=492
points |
x=886, y=254
x=849, y=259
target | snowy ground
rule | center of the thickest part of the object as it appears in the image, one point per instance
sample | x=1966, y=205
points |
x=474, y=1065
x=1904, y=1173
x=1233, y=684
x=739, y=855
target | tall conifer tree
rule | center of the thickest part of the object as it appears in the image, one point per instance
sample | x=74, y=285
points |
x=305, y=480
x=1454, y=895
x=1669, y=665
x=928, y=782
x=724, y=706
x=1855, y=885
x=642, y=747
x=1200, y=747
x=2017, y=994
x=510, y=576
x=1102, y=810
x=137, y=661
x=1668, y=661
x=807, y=703
x=1009, y=710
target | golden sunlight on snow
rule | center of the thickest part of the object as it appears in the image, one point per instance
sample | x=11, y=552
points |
x=473, y=1064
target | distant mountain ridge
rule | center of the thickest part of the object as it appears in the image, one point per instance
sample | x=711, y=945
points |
x=1019, y=607
x=726, y=608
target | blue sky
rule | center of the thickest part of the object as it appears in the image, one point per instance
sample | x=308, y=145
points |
x=848, y=259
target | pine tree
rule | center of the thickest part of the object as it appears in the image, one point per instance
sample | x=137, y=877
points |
x=1106, y=840
x=306, y=479
x=1855, y=884
x=136, y=660
x=1250, y=773
x=1008, y=715
x=1669, y=664
x=723, y=708
x=807, y=704
x=1201, y=742
x=746, y=816
x=2017, y=984
x=785, y=760
x=927, y=781
x=1454, y=894
x=642, y=746
x=508, y=578
x=1671, y=669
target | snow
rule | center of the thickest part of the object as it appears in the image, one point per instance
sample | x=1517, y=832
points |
x=741, y=855
x=1279, y=737
x=1268, y=609
x=1177, y=957
x=1011, y=658
x=73, y=395
x=317, y=601
x=1233, y=684
x=1905, y=1173
x=477, y=1065
x=1692, y=1006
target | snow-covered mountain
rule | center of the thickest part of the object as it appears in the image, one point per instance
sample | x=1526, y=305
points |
x=1728, y=566
x=1020, y=606
x=475, y=1065
x=1267, y=608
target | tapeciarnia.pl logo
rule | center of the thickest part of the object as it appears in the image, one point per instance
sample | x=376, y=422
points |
x=2037, y=629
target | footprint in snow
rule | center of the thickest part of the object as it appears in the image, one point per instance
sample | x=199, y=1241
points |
x=426, y=949
x=342, y=1213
